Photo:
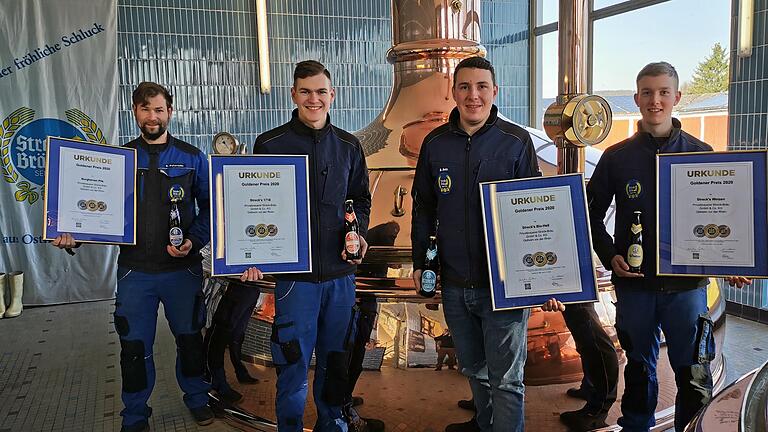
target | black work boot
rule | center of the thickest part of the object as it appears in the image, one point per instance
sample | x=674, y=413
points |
x=359, y=424
x=584, y=419
x=467, y=404
x=578, y=393
x=470, y=426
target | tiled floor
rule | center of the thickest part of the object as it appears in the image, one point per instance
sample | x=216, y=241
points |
x=59, y=371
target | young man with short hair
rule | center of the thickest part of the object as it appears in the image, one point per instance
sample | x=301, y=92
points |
x=314, y=311
x=648, y=304
x=475, y=146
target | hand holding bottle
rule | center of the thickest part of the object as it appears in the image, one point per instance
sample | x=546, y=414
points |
x=621, y=268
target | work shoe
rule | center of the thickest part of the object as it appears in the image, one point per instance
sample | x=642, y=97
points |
x=142, y=426
x=578, y=393
x=246, y=378
x=585, y=419
x=359, y=424
x=467, y=404
x=203, y=415
x=470, y=426
x=230, y=396
x=366, y=425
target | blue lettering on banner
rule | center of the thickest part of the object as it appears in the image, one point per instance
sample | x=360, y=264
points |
x=28, y=146
x=27, y=239
x=46, y=50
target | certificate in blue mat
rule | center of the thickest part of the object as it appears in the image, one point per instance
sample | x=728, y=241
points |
x=260, y=214
x=90, y=192
x=538, y=241
x=712, y=214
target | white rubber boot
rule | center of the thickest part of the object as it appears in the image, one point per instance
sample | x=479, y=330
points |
x=2, y=294
x=16, y=281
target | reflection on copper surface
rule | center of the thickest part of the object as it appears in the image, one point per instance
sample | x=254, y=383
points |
x=266, y=310
x=429, y=39
x=414, y=133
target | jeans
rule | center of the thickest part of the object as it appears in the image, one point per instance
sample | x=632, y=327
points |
x=491, y=350
x=641, y=315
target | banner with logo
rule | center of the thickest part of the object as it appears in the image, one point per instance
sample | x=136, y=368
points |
x=58, y=77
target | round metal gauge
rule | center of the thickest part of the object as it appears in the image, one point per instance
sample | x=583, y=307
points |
x=225, y=143
x=583, y=120
x=591, y=120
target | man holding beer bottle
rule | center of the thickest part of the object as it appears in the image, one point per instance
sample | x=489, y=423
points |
x=475, y=146
x=164, y=265
x=648, y=304
x=314, y=311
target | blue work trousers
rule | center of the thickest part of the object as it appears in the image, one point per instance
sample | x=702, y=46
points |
x=641, y=316
x=313, y=317
x=138, y=297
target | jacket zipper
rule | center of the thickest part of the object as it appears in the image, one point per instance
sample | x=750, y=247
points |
x=467, y=180
x=315, y=142
x=152, y=173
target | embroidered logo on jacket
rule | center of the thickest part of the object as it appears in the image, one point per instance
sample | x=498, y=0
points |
x=633, y=189
x=444, y=181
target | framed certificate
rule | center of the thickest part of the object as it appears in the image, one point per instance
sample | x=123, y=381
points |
x=90, y=192
x=712, y=214
x=538, y=241
x=260, y=214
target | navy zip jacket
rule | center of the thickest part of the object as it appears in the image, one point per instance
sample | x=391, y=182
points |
x=451, y=166
x=337, y=172
x=160, y=168
x=627, y=172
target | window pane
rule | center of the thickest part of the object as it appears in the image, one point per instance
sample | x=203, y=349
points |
x=546, y=86
x=547, y=11
x=599, y=4
x=624, y=43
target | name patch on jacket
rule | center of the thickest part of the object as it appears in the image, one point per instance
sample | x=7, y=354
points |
x=444, y=181
x=633, y=189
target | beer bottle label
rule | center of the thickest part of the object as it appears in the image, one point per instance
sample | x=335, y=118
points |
x=349, y=217
x=428, y=280
x=352, y=243
x=176, y=236
x=635, y=256
x=431, y=254
x=636, y=228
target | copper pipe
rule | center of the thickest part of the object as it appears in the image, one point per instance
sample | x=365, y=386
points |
x=573, y=48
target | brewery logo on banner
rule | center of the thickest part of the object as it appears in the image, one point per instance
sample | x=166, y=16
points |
x=22, y=146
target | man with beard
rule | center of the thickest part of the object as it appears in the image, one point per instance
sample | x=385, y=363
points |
x=169, y=171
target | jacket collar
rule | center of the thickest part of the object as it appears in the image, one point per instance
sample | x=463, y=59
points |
x=300, y=128
x=648, y=138
x=161, y=147
x=455, y=126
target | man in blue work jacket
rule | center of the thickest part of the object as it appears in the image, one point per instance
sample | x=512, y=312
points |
x=314, y=311
x=153, y=271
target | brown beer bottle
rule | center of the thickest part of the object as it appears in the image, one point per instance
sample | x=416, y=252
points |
x=635, y=252
x=429, y=273
x=351, y=232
